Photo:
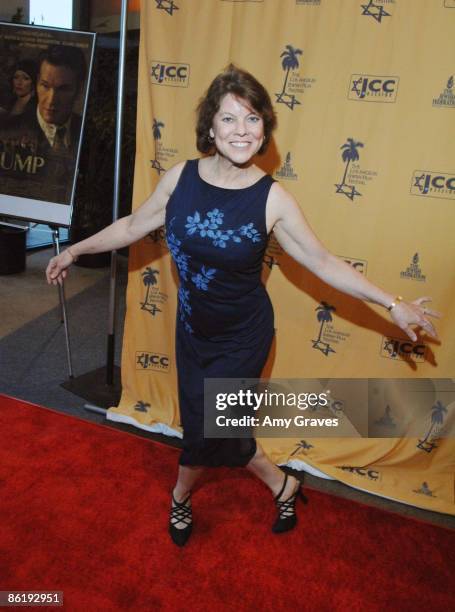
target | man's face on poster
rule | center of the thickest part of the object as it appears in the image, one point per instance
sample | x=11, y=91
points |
x=57, y=89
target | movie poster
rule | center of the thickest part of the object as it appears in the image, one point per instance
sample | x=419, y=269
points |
x=44, y=80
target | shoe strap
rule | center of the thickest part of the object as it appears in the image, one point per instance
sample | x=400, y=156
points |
x=287, y=507
x=181, y=513
x=282, y=488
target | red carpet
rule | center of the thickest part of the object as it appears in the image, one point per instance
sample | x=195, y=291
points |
x=84, y=510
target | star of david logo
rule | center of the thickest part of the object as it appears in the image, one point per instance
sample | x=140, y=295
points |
x=390, y=348
x=418, y=180
x=157, y=166
x=348, y=190
x=151, y=308
x=156, y=72
x=324, y=347
x=375, y=10
x=167, y=5
x=356, y=87
x=289, y=99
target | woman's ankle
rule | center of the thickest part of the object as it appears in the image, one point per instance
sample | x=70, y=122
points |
x=180, y=493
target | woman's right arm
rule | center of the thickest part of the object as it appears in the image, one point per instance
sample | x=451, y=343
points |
x=148, y=217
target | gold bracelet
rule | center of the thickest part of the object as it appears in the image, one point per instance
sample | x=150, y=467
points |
x=72, y=255
x=395, y=302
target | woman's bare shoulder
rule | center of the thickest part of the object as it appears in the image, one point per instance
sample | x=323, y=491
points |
x=171, y=177
x=278, y=195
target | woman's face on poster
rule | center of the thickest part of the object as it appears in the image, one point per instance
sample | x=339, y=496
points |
x=22, y=84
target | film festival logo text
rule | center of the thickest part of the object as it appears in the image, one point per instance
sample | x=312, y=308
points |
x=286, y=172
x=370, y=88
x=438, y=413
x=376, y=10
x=431, y=184
x=308, y=2
x=169, y=6
x=413, y=271
x=154, y=298
x=162, y=154
x=363, y=472
x=294, y=82
x=447, y=97
x=172, y=74
x=449, y=3
x=356, y=175
x=152, y=361
x=360, y=265
x=402, y=350
x=328, y=335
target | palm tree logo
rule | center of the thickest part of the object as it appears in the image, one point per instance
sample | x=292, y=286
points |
x=149, y=279
x=156, y=132
x=438, y=411
x=167, y=5
x=141, y=406
x=302, y=445
x=323, y=317
x=349, y=154
x=289, y=62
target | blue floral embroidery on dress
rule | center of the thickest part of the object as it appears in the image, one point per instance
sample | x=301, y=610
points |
x=181, y=259
x=250, y=231
x=200, y=279
x=210, y=228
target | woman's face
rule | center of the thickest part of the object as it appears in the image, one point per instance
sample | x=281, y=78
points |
x=22, y=83
x=238, y=130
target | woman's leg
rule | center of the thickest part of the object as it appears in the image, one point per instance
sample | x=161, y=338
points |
x=270, y=474
x=187, y=476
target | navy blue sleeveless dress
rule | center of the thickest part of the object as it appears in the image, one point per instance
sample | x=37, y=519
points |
x=217, y=238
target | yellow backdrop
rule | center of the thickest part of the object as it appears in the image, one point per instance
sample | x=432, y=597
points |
x=364, y=93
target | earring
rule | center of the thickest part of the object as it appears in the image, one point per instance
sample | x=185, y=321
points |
x=210, y=139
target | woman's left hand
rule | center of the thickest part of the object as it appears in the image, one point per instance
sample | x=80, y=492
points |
x=405, y=314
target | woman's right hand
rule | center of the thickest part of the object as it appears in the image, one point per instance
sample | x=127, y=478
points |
x=56, y=270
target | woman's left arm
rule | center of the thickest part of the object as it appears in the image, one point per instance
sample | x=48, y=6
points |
x=298, y=239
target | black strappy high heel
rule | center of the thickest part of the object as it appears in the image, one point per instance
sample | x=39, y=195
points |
x=180, y=513
x=287, y=518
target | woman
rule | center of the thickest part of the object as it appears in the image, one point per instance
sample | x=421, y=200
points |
x=23, y=84
x=218, y=213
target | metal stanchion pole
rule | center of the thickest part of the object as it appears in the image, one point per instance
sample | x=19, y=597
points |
x=115, y=207
x=61, y=295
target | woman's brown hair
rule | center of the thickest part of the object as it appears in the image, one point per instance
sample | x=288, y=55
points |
x=243, y=85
